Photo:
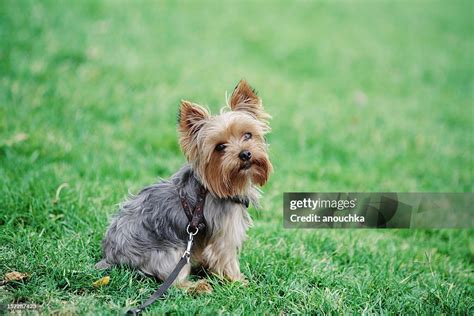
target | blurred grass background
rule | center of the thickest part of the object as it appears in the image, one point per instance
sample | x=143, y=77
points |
x=365, y=96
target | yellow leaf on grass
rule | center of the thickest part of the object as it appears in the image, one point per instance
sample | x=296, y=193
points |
x=102, y=282
x=18, y=138
x=14, y=276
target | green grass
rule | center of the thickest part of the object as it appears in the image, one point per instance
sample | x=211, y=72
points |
x=365, y=96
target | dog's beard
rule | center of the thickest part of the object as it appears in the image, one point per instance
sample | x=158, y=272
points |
x=232, y=178
x=261, y=169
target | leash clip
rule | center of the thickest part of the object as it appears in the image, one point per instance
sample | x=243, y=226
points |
x=191, y=234
x=187, y=252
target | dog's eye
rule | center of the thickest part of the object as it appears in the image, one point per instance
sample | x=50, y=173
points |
x=220, y=147
x=247, y=136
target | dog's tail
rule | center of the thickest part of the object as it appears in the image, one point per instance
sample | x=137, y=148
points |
x=102, y=265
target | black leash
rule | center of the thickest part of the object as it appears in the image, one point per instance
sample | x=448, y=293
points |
x=196, y=223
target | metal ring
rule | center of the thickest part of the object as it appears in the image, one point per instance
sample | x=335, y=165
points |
x=190, y=233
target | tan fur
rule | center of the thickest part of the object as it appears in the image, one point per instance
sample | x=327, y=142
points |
x=191, y=119
x=245, y=99
x=221, y=172
x=219, y=253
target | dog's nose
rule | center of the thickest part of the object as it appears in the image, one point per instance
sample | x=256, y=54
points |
x=245, y=155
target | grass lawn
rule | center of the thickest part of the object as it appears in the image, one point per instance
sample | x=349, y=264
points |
x=365, y=96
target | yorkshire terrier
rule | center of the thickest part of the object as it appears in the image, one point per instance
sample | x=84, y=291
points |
x=227, y=155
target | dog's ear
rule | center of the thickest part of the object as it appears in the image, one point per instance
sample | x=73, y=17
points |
x=191, y=119
x=244, y=98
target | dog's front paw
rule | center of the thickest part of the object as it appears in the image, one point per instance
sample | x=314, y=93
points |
x=199, y=287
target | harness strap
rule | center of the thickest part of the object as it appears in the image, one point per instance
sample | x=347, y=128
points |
x=245, y=201
x=196, y=217
x=185, y=205
x=197, y=222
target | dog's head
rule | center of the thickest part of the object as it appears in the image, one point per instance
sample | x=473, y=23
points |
x=228, y=151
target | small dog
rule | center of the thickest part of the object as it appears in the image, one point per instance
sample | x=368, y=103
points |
x=227, y=155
